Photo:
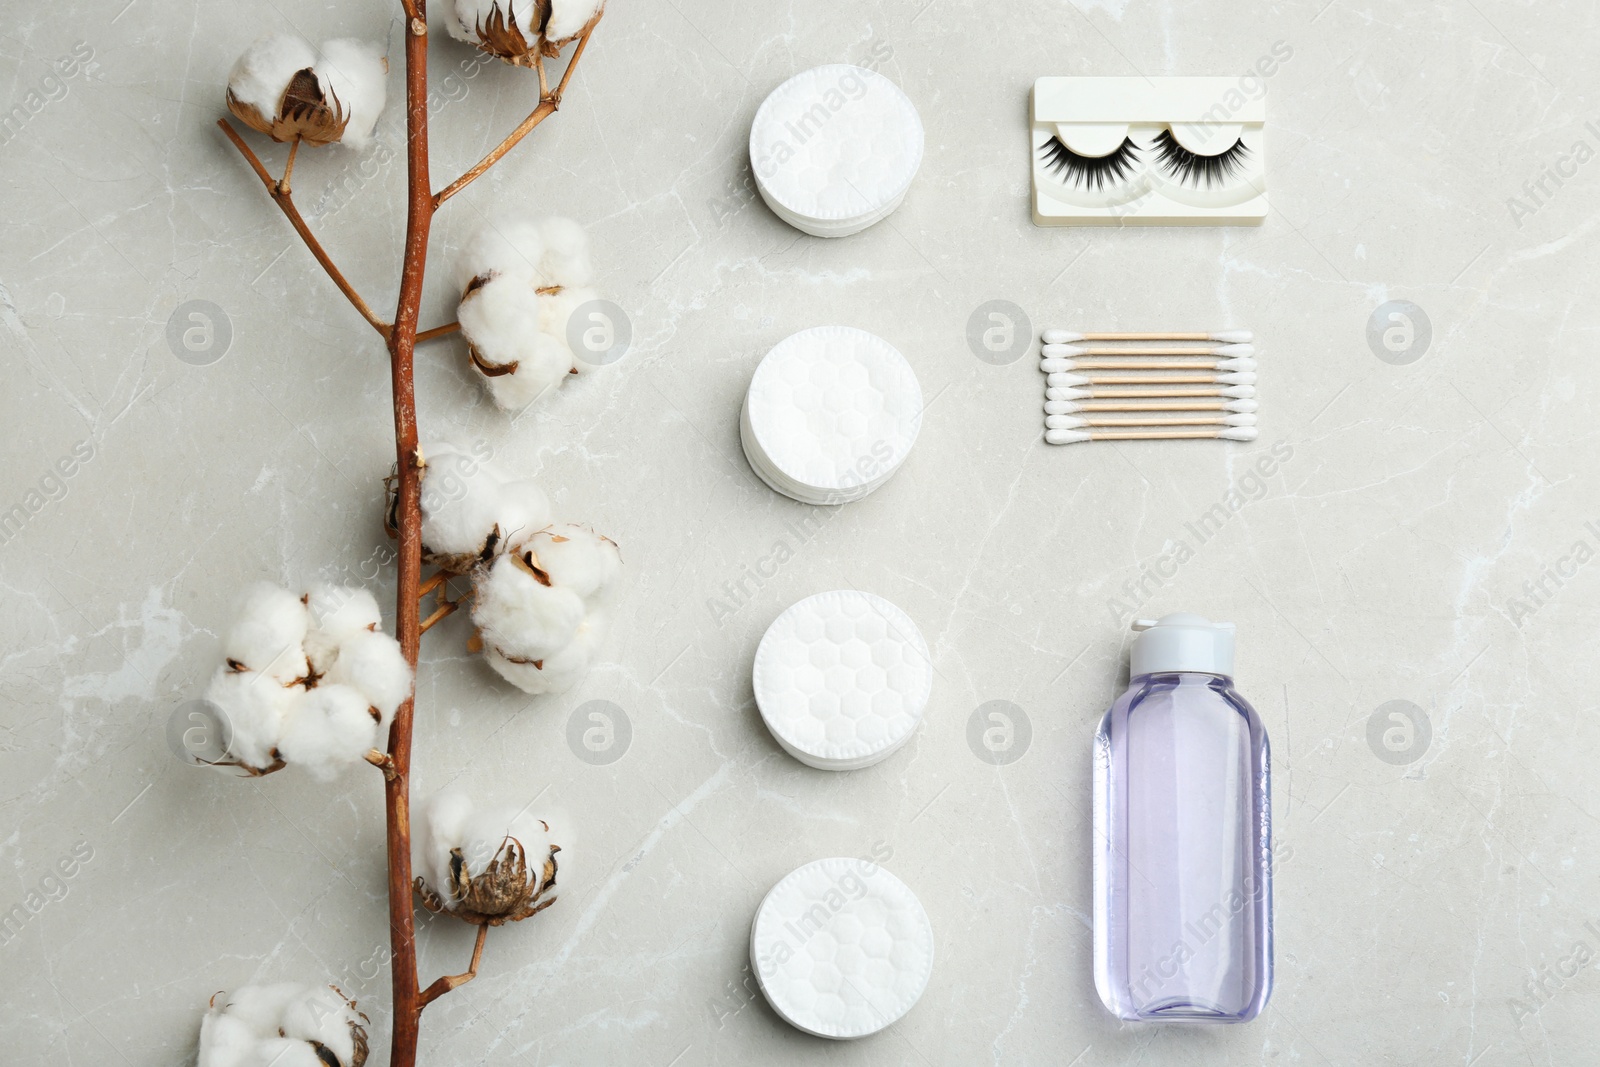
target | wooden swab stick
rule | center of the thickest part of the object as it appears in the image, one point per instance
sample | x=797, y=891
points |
x=1074, y=422
x=1050, y=364
x=1060, y=378
x=1071, y=407
x=1063, y=337
x=1072, y=437
x=1123, y=392
x=1215, y=349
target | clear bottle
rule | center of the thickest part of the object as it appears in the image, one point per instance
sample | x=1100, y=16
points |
x=1183, y=834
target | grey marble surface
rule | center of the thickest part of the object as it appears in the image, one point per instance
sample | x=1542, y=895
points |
x=1428, y=540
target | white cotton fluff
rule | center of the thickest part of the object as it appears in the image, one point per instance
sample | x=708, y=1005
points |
x=337, y=613
x=449, y=821
x=355, y=73
x=512, y=247
x=460, y=499
x=255, y=707
x=559, y=672
x=501, y=319
x=539, y=373
x=269, y=633
x=520, y=617
x=262, y=74
x=523, y=509
x=373, y=665
x=578, y=559
x=328, y=730
x=565, y=259
x=568, y=18
x=275, y=1025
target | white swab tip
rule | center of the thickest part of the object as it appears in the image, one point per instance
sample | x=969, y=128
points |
x=1234, y=336
x=1240, y=405
x=1064, y=422
x=1065, y=437
x=1244, y=363
x=1240, y=420
x=1061, y=350
x=1061, y=337
x=1060, y=378
x=1240, y=392
x=1238, y=378
x=1065, y=393
x=1236, y=350
x=1240, y=433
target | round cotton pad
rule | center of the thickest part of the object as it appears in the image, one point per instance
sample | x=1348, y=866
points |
x=831, y=413
x=834, y=149
x=841, y=948
x=842, y=679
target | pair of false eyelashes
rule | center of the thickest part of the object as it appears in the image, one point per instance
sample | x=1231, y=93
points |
x=1189, y=168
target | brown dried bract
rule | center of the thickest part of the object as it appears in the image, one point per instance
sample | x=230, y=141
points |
x=505, y=892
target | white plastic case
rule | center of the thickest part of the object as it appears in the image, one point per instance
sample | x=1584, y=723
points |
x=1091, y=117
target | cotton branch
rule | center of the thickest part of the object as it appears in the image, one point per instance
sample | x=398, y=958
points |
x=279, y=191
x=443, y=985
x=549, y=103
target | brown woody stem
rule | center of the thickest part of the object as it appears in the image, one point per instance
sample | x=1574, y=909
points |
x=443, y=985
x=280, y=196
x=288, y=167
x=549, y=102
x=438, y=331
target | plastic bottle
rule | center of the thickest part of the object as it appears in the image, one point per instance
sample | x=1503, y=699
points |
x=1183, y=834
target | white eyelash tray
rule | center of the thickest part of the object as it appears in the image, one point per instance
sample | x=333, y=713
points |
x=1148, y=151
x=834, y=149
x=842, y=679
x=841, y=948
x=830, y=415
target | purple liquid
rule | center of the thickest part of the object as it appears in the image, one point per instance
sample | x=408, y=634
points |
x=1183, y=846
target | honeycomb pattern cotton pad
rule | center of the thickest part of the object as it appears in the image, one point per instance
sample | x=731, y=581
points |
x=830, y=415
x=834, y=149
x=842, y=679
x=841, y=948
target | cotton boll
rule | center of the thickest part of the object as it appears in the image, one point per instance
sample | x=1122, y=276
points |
x=260, y=77
x=286, y=1052
x=323, y=1016
x=469, y=15
x=460, y=505
x=566, y=249
x=269, y=634
x=578, y=559
x=354, y=73
x=329, y=730
x=539, y=371
x=512, y=247
x=336, y=613
x=262, y=1006
x=372, y=664
x=255, y=706
x=524, y=508
x=519, y=614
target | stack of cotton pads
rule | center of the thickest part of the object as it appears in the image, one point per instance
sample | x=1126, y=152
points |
x=841, y=679
x=834, y=149
x=830, y=415
x=841, y=948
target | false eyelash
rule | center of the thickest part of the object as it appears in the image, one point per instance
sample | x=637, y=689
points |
x=1191, y=168
x=1098, y=171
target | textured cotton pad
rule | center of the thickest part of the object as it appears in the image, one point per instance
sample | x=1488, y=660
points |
x=842, y=679
x=834, y=149
x=831, y=413
x=841, y=948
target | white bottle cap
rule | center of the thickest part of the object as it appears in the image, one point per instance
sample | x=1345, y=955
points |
x=1181, y=641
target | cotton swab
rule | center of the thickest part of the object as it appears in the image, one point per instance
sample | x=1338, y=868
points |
x=1237, y=392
x=1074, y=422
x=1072, y=407
x=1049, y=365
x=1061, y=337
x=1215, y=350
x=1072, y=437
x=1060, y=378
